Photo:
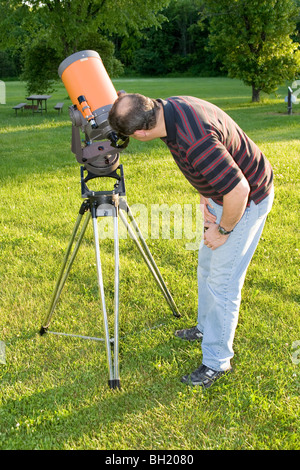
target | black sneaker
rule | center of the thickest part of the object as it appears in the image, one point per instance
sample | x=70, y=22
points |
x=190, y=334
x=203, y=376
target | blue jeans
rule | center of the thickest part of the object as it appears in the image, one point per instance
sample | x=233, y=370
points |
x=221, y=275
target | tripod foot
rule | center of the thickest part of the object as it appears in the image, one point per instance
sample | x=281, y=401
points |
x=43, y=330
x=176, y=314
x=114, y=383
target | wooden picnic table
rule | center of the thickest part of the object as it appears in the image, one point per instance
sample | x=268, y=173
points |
x=41, y=103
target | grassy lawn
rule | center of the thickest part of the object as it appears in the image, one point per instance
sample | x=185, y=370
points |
x=54, y=392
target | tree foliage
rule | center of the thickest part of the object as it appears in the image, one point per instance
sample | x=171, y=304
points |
x=177, y=47
x=253, y=40
x=55, y=29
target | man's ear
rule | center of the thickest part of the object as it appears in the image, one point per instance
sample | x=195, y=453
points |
x=140, y=133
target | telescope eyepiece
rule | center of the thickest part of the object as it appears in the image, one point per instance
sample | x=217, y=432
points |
x=118, y=141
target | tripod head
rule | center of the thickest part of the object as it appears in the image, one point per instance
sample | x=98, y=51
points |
x=119, y=186
x=92, y=94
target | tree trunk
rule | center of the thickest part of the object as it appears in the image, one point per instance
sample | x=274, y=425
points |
x=255, y=94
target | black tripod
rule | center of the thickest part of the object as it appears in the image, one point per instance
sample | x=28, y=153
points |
x=102, y=204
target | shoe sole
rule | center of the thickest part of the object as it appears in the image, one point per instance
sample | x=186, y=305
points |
x=188, y=339
x=186, y=379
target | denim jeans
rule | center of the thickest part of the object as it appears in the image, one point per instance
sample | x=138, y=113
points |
x=221, y=275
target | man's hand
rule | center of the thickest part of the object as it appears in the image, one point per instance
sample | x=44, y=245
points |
x=212, y=237
x=207, y=216
x=234, y=205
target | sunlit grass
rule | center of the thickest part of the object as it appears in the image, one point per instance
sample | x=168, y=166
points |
x=54, y=392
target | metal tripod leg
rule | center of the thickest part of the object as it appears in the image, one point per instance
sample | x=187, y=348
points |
x=116, y=381
x=145, y=252
x=101, y=289
x=64, y=274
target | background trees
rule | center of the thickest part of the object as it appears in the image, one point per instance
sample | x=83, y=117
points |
x=178, y=46
x=45, y=32
x=253, y=40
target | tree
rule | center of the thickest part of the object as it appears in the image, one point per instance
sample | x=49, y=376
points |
x=178, y=46
x=58, y=28
x=252, y=38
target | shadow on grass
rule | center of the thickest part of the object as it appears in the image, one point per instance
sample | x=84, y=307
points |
x=84, y=405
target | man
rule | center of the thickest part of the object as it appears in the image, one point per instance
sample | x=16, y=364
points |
x=234, y=180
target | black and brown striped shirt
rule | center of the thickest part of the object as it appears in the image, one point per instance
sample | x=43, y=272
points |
x=212, y=151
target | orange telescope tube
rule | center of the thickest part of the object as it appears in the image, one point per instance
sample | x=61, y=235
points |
x=84, y=74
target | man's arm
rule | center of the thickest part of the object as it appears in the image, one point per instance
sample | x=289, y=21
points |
x=234, y=205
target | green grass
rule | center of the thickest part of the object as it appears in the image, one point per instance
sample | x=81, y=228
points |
x=54, y=392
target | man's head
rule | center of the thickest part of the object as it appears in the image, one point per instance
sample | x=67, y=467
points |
x=134, y=115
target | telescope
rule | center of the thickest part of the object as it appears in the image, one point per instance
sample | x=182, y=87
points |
x=92, y=94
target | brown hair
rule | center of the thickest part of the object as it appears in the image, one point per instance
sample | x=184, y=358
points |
x=132, y=112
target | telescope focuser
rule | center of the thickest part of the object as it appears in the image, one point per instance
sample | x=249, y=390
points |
x=86, y=111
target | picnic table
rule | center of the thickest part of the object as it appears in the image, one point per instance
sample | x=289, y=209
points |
x=20, y=106
x=41, y=103
x=59, y=107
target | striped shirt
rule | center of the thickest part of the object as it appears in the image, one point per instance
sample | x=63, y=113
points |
x=212, y=151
